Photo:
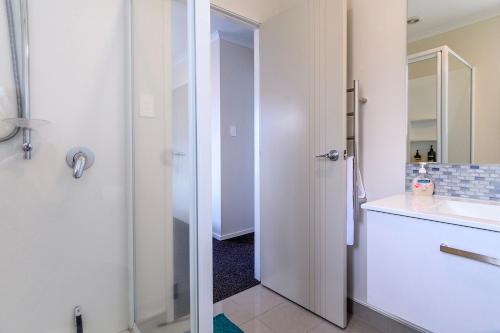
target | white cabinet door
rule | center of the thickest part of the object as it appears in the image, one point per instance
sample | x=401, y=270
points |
x=303, y=198
x=410, y=277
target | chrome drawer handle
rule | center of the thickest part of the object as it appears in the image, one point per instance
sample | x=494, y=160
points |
x=470, y=255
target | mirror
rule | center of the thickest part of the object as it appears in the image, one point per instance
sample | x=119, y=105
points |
x=453, y=81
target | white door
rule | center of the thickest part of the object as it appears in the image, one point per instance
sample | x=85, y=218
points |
x=303, y=197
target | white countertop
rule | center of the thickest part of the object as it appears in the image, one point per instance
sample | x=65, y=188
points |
x=464, y=212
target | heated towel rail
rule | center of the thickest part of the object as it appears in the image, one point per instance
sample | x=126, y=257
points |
x=359, y=194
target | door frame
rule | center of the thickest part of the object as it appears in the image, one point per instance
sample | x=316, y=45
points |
x=202, y=295
x=256, y=150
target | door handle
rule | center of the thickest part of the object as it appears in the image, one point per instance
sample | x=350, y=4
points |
x=332, y=155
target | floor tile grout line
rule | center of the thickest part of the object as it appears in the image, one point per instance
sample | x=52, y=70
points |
x=271, y=308
x=282, y=300
x=263, y=323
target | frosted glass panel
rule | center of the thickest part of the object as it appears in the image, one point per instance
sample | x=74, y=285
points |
x=459, y=117
x=165, y=223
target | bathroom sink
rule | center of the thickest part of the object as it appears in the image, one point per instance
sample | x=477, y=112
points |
x=459, y=211
x=470, y=209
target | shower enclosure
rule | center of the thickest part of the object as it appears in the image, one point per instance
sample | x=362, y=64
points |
x=440, y=106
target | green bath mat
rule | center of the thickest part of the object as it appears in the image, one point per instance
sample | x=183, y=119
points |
x=224, y=325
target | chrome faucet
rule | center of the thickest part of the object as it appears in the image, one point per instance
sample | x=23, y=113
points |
x=79, y=159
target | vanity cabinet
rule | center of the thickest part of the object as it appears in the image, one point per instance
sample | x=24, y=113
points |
x=410, y=277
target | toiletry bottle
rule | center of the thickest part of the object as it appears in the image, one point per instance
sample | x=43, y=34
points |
x=417, y=157
x=422, y=185
x=431, y=155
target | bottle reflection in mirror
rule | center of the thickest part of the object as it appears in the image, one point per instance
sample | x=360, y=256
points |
x=431, y=155
x=417, y=157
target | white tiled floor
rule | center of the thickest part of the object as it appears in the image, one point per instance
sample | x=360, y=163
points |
x=259, y=310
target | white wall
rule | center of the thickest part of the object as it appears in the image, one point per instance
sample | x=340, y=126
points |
x=377, y=57
x=64, y=241
x=236, y=108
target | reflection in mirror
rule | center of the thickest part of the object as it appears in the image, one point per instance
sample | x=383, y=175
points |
x=453, y=81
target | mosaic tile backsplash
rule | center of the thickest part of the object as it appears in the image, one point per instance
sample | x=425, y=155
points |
x=465, y=181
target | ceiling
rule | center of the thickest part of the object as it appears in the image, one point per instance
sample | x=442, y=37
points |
x=231, y=29
x=439, y=16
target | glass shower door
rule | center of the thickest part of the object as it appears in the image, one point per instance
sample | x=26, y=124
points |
x=457, y=123
x=165, y=167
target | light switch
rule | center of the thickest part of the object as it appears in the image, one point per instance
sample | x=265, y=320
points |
x=147, y=106
x=232, y=130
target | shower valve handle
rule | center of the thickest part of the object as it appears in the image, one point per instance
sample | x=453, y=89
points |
x=79, y=159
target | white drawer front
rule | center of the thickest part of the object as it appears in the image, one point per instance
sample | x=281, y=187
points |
x=408, y=275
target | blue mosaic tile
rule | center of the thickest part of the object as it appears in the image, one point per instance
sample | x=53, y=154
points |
x=465, y=181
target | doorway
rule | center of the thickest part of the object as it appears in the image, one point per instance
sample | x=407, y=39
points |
x=302, y=193
x=233, y=155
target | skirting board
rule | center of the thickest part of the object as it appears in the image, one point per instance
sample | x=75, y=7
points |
x=382, y=321
x=233, y=234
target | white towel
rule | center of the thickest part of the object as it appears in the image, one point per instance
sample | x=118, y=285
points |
x=350, y=201
x=360, y=186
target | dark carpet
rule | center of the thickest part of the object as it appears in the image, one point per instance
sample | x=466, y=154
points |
x=233, y=265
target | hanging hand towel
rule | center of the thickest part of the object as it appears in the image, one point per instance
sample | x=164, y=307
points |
x=350, y=201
